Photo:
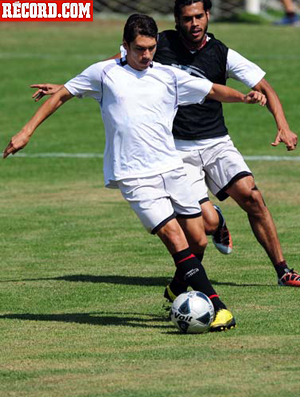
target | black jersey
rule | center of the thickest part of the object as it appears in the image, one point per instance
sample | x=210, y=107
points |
x=196, y=121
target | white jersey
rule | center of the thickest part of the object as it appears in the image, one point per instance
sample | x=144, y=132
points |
x=138, y=108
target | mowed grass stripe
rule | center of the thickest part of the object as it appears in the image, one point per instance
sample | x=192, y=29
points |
x=101, y=155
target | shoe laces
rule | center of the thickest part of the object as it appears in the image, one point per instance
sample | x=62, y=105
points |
x=292, y=273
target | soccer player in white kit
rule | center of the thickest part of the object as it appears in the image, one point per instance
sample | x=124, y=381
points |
x=138, y=100
x=210, y=158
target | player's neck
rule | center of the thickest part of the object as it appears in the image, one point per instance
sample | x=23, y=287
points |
x=194, y=47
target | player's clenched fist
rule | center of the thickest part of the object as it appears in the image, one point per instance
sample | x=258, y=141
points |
x=17, y=142
x=255, y=97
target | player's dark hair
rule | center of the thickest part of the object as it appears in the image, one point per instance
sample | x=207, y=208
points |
x=179, y=4
x=139, y=24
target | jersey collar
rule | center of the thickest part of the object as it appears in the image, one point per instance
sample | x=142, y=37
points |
x=204, y=42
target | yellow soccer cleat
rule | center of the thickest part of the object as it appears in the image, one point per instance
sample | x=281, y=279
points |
x=169, y=295
x=223, y=321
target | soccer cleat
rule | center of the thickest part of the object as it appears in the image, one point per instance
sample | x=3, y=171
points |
x=222, y=237
x=223, y=321
x=290, y=279
x=288, y=21
x=169, y=295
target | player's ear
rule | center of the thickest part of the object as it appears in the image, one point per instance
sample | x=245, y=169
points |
x=208, y=14
x=125, y=45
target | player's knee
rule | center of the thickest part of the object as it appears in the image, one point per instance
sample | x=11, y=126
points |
x=199, y=244
x=255, y=202
x=172, y=235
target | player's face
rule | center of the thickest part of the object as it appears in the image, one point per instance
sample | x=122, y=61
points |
x=140, y=52
x=192, y=24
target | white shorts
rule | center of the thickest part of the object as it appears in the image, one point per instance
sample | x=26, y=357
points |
x=160, y=198
x=215, y=167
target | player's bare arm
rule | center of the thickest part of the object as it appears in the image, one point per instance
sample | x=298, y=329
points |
x=20, y=140
x=284, y=133
x=226, y=94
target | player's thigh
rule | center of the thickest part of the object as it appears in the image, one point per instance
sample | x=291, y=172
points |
x=179, y=189
x=149, y=200
x=223, y=165
x=194, y=169
x=246, y=194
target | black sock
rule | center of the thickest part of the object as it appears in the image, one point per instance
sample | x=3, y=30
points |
x=290, y=14
x=281, y=268
x=199, y=257
x=193, y=273
x=217, y=303
x=178, y=285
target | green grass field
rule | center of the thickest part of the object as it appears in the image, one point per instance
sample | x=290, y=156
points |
x=81, y=282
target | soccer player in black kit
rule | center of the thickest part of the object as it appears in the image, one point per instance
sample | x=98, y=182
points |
x=201, y=136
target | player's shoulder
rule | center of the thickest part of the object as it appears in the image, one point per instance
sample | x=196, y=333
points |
x=212, y=40
x=167, y=37
x=162, y=67
x=106, y=65
x=168, y=34
x=98, y=69
x=172, y=72
x=102, y=64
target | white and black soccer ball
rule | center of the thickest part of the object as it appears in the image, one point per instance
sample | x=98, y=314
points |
x=192, y=312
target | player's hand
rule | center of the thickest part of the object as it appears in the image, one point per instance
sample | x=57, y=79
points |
x=255, y=97
x=17, y=142
x=286, y=136
x=44, y=89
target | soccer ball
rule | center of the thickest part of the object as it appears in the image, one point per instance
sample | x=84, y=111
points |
x=192, y=312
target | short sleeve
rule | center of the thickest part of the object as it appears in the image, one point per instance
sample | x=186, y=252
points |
x=243, y=70
x=88, y=83
x=191, y=89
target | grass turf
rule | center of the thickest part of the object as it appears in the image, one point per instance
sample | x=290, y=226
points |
x=81, y=282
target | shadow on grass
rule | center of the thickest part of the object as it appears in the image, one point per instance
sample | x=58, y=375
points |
x=137, y=320
x=126, y=280
x=231, y=284
x=88, y=278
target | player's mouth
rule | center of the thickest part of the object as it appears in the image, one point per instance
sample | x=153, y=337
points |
x=196, y=33
x=146, y=62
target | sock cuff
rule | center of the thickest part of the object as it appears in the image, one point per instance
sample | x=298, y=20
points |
x=183, y=255
x=213, y=296
x=282, y=264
